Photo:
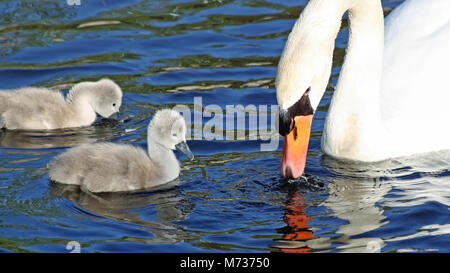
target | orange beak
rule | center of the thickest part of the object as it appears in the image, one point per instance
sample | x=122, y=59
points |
x=296, y=148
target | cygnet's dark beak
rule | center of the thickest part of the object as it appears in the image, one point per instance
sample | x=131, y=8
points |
x=116, y=115
x=110, y=121
x=183, y=148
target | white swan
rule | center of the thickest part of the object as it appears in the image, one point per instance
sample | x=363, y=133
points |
x=35, y=108
x=109, y=167
x=392, y=96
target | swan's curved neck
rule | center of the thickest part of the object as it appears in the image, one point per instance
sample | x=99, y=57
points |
x=354, y=125
x=360, y=76
x=80, y=100
x=78, y=93
x=164, y=160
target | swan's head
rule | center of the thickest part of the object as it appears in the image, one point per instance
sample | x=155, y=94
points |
x=302, y=77
x=107, y=98
x=104, y=96
x=168, y=129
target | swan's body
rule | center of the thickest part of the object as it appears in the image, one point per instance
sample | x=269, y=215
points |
x=34, y=108
x=414, y=90
x=391, y=97
x=109, y=167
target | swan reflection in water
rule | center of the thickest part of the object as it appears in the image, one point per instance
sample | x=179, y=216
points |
x=102, y=130
x=164, y=201
x=356, y=193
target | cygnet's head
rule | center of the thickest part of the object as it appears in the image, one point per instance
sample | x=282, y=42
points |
x=105, y=96
x=168, y=129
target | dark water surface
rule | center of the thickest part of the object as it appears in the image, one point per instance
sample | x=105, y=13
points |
x=231, y=197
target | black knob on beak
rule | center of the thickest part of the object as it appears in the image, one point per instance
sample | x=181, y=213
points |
x=286, y=119
x=285, y=122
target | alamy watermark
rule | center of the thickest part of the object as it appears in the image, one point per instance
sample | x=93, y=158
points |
x=73, y=2
x=374, y=246
x=73, y=247
x=235, y=122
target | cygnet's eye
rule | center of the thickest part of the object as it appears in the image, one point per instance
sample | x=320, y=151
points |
x=174, y=134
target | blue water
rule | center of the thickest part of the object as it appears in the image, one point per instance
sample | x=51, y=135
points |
x=231, y=197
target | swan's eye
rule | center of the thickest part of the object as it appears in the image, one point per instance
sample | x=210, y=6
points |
x=114, y=104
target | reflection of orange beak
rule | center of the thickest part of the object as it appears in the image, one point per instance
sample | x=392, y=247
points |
x=296, y=147
x=297, y=221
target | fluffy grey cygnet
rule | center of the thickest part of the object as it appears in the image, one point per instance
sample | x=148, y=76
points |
x=109, y=167
x=33, y=108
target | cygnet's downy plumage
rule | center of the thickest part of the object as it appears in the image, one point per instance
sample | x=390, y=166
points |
x=109, y=167
x=33, y=108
